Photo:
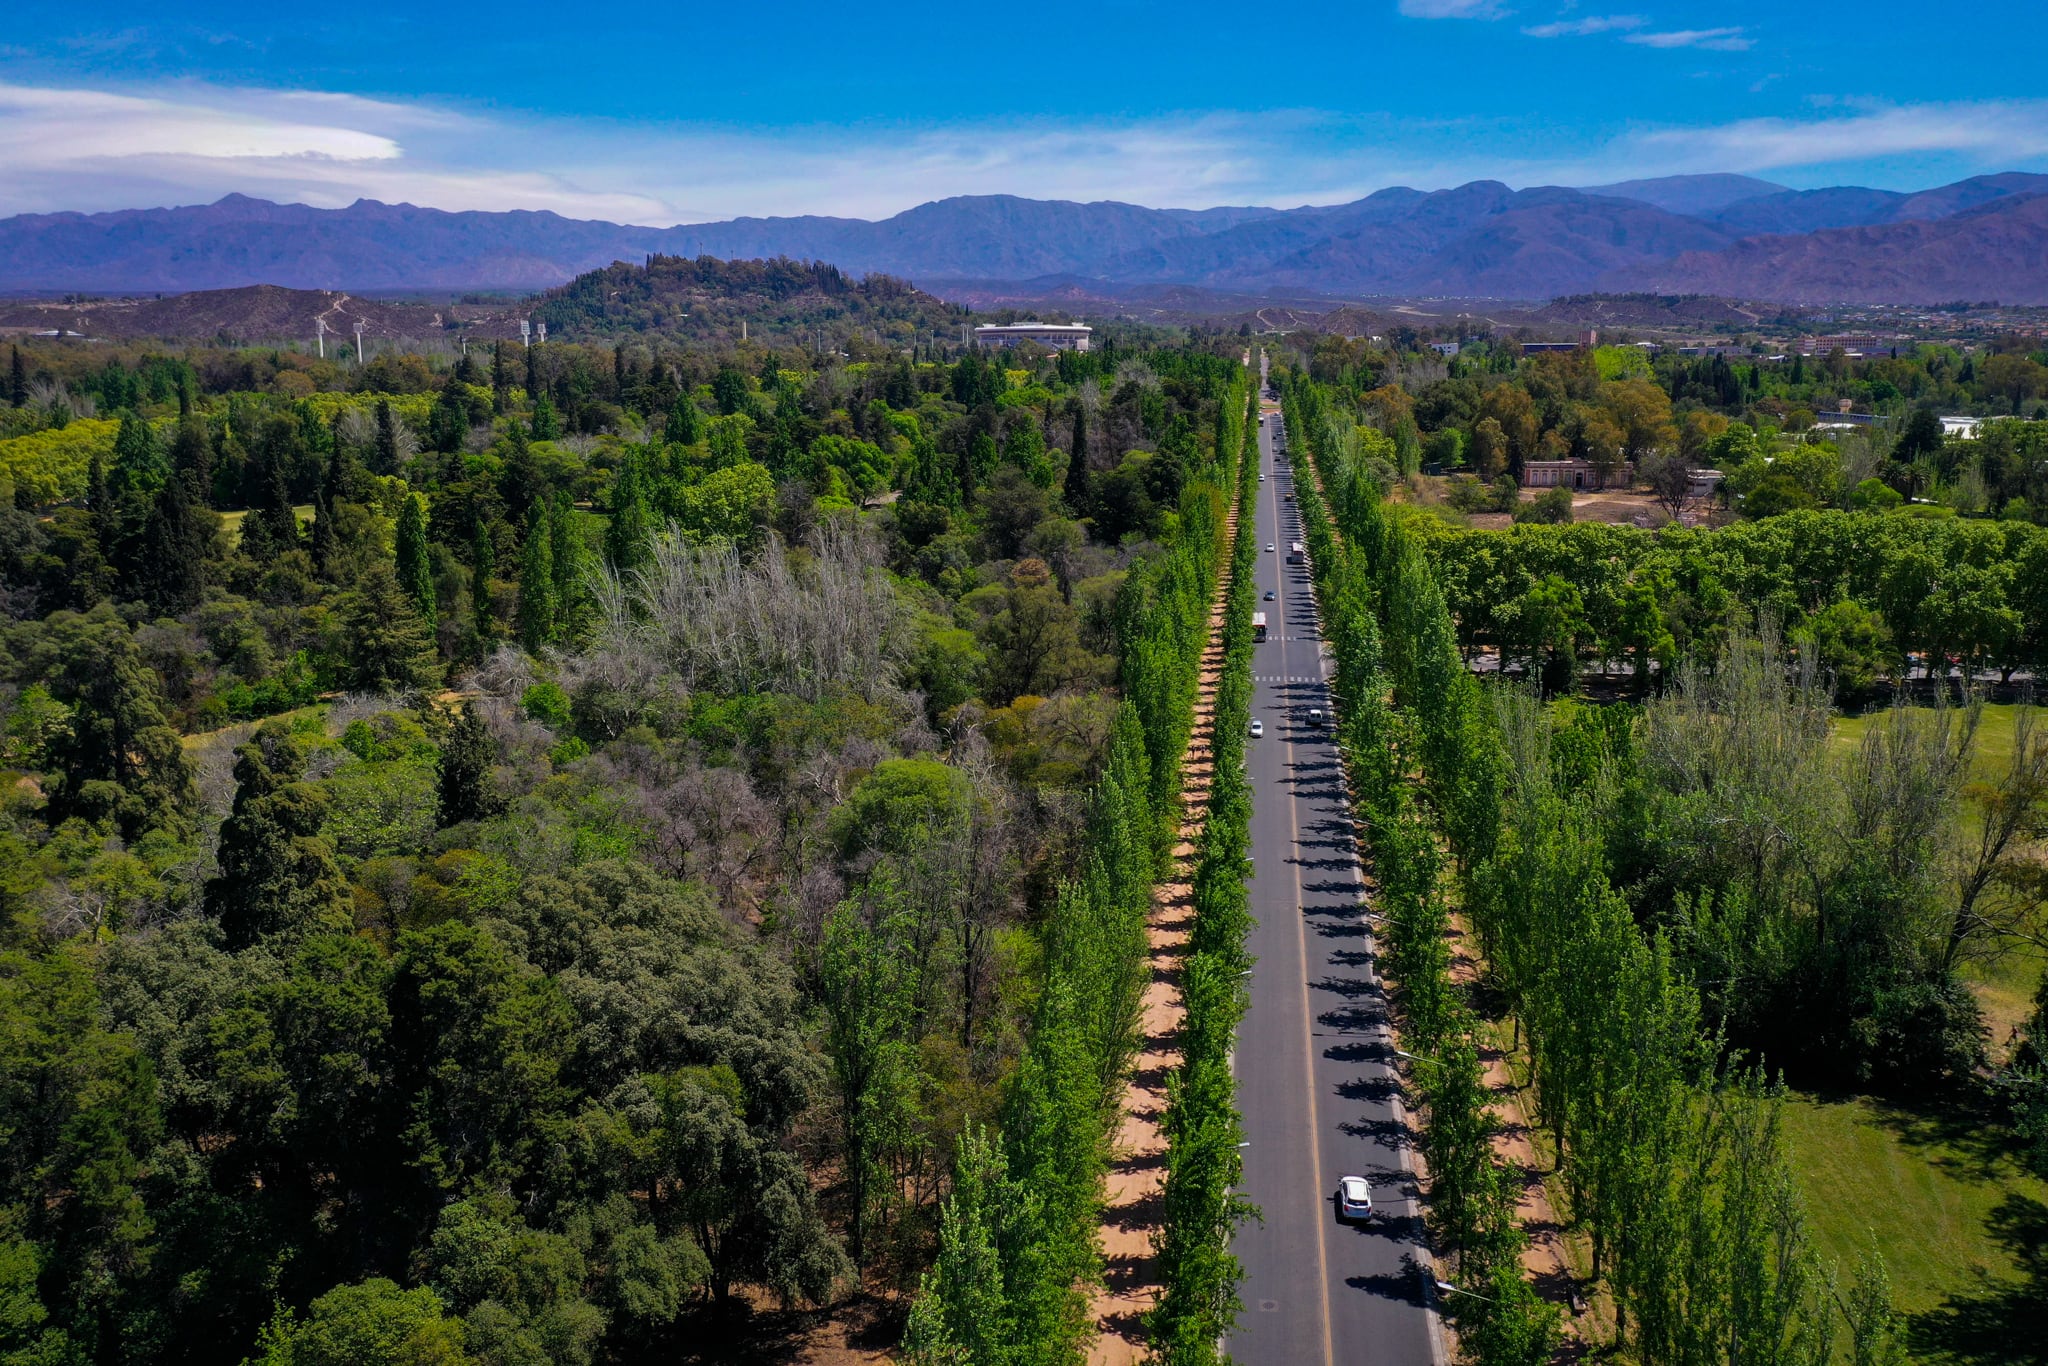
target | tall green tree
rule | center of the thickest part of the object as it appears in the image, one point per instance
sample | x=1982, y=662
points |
x=17, y=380
x=866, y=994
x=466, y=791
x=631, y=526
x=171, y=568
x=961, y=1315
x=414, y=566
x=277, y=871
x=386, y=646
x=483, y=562
x=537, y=616
x=386, y=457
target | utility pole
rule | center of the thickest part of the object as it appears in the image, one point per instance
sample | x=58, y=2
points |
x=320, y=336
x=359, y=343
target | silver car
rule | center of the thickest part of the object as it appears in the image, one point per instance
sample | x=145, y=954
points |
x=1354, y=1199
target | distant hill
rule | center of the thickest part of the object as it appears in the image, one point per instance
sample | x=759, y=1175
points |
x=251, y=313
x=707, y=296
x=1994, y=251
x=1690, y=194
x=1482, y=239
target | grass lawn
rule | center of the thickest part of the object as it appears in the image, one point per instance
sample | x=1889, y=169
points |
x=2004, y=986
x=231, y=522
x=1962, y=1227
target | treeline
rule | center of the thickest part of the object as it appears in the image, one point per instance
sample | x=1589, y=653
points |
x=1868, y=597
x=1772, y=425
x=1198, y=1274
x=1670, y=1153
x=1018, y=1235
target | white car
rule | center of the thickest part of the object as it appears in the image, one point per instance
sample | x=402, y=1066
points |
x=1315, y=716
x=1258, y=728
x=1269, y=547
x=1354, y=1199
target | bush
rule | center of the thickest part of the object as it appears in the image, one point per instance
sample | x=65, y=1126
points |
x=1552, y=507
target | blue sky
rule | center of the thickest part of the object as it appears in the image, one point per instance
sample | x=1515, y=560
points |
x=664, y=114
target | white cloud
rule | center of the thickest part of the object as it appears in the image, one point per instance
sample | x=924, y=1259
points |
x=93, y=150
x=1989, y=131
x=1452, y=9
x=44, y=127
x=1712, y=39
x=1585, y=28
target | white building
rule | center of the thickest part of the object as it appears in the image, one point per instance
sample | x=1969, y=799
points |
x=1964, y=427
x=1052, y=336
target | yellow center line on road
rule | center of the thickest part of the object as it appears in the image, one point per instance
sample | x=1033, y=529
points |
x=1308, y=1035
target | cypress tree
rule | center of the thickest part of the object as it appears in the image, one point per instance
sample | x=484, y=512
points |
x=277, y=872
x=17, y=380
x=466, y=793
x=501, y=380
x=323, y=541
x=546, y=424
x=140, y=467
x=272, y=527
x=483, y=560
x=192, y=459
x=171, y=569
x=533, y=384
x=537, y=583
x=520, y=483
x=448, y=423
x=415, y=572
x=1077, y=462
x=685, y=425
x=387, y=439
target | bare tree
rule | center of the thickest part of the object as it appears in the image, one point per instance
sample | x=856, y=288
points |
x=1669, y=476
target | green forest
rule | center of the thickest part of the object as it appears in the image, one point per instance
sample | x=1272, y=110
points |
x=579, y=853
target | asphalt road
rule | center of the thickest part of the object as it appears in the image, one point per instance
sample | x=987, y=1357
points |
x=1313, y=1057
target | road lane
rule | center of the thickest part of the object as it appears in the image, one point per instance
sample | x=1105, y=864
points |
x=1313, y=1057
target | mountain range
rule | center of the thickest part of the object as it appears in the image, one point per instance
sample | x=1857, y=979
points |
x=1985, y=238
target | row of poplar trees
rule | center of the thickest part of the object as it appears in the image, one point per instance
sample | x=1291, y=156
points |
x=1670, y=1155
x=1198, y=1273
x=1018, y=1233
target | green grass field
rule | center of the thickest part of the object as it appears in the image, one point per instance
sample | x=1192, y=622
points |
x=1962, y=1227
x=231, y=522
x=2004, y=985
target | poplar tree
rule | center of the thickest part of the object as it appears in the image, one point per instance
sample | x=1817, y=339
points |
x=537, y=583
x=961, y=1315
x=570, y=561
x=626, y=535
x=415, y=571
